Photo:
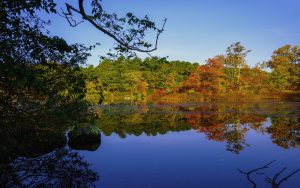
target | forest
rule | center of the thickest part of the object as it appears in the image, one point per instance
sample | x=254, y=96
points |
x=223, y=77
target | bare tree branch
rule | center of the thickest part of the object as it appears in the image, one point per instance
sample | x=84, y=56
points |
x=256, y=171
x=277, y=185
x=272, y=181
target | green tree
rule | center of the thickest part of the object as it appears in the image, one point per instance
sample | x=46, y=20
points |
x=285, y=68
x=93, y=91
x=39, y=71
x=234, y=61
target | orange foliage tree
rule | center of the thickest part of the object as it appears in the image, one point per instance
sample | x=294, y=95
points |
x=206, y=79
x=254, y=81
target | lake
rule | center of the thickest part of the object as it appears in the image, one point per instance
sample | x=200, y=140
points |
x=209, y=144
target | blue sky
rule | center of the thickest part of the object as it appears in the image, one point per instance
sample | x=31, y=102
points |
x=199, y=29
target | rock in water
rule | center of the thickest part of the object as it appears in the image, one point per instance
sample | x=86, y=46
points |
x=85, y=137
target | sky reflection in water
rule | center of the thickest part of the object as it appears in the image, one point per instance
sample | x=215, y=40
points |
x=193, y=145
x=197, y=145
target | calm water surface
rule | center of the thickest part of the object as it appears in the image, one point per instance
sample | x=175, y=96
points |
x=182, y=145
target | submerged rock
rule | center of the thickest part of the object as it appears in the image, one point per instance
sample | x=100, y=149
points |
x=85, y=137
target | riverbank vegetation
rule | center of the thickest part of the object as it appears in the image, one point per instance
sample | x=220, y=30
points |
x=223, y=77
x=41, y=74
x=42, y=86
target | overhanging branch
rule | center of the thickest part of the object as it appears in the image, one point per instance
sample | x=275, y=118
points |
x=125, y=44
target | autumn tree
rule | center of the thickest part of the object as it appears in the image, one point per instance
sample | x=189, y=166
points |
x=206, y=79
x=234, y=61
x=193, y=82
x=142, y=88
x=171, y=84
x=285, y=68
x=255, y=80
x=214, y=74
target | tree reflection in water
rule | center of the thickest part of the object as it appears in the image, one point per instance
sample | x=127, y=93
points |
x=222, y=122
x=41, y=165
x=34, y=156
x=274, y=182
x=59, y=168
x=285, y=131
x=221, y=126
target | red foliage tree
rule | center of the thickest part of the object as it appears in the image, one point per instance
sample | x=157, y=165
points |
x=206, y=79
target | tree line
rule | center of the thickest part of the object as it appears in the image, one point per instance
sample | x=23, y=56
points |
x=220, y=77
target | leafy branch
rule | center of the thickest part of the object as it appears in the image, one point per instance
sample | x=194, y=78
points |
x=129, y=32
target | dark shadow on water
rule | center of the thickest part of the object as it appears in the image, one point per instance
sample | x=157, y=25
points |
x=90, y=146
x=59, y=168
x=41, y=158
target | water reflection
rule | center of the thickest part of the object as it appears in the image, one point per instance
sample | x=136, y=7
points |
x=43, y=158
x=285, y=131
x=274, y=181
x=59, y=168
x=220, y=122
x=209, y=134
